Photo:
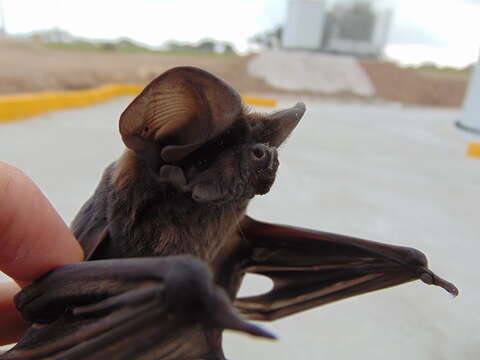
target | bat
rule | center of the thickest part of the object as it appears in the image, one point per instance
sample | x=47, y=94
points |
x=167, y=239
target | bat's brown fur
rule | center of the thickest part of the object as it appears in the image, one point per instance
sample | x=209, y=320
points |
x=148, y=215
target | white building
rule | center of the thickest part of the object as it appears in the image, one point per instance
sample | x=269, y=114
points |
x=357, y=28
x=304, y=25
x=351, y=27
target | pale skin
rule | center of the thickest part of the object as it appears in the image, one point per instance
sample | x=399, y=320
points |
x=33, y=240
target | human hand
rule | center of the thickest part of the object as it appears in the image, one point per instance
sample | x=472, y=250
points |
x=33, y=240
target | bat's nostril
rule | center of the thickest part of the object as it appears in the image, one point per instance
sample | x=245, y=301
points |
x=258, y=152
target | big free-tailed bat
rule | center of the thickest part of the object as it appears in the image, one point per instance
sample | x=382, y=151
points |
x=168, y=240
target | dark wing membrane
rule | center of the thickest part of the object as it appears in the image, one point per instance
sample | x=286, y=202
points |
x=90, y=226
x=144, y=308
x=123, y=334
x=311, y=268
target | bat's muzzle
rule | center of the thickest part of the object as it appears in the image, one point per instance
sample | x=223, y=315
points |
x=263, y=157
x=263, y=160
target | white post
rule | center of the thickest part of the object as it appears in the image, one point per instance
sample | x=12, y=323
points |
x=471, y=104
x=3, y=31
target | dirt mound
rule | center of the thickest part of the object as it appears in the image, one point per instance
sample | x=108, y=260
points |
x=411, y=87
x=28, y=67
x=315, y=72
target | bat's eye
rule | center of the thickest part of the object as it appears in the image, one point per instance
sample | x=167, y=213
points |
x=254, y=125
x=202, y=164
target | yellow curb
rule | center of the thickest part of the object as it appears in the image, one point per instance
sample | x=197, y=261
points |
x=473, y=150
x=259, y=101
x=21, y=106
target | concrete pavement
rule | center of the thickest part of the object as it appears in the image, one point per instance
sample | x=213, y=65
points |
x=379, y=171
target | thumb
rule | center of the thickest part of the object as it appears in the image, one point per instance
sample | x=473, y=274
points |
x=33, y=237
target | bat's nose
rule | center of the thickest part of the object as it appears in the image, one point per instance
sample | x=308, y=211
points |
x=263, y=156
x=258, y=152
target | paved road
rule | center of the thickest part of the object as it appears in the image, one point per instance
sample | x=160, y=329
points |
x=383, y=172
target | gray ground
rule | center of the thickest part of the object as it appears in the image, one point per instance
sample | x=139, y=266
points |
x=383, y=172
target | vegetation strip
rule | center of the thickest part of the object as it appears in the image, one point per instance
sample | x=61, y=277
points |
x=21, y=106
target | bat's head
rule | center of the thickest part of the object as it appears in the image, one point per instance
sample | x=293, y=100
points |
x=193, y=131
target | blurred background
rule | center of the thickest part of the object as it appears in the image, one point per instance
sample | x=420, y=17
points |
x=416, y=52
x=377, y=154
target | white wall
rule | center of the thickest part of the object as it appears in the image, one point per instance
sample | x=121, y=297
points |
x=304, y=25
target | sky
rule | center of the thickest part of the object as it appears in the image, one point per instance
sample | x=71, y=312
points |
x=446, y=32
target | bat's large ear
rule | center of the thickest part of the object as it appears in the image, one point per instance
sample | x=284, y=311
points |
x=279, y=125
x=180, y=110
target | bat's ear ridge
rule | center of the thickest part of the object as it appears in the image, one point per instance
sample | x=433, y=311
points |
x=280, y=124
x=181, y=110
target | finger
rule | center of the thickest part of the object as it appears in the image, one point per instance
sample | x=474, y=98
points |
x=33, y=237
x=12, y=324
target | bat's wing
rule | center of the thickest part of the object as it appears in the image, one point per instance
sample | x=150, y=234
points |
x=93, y=240
x=90, y=226
x=144, y=308
x=311, y=268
